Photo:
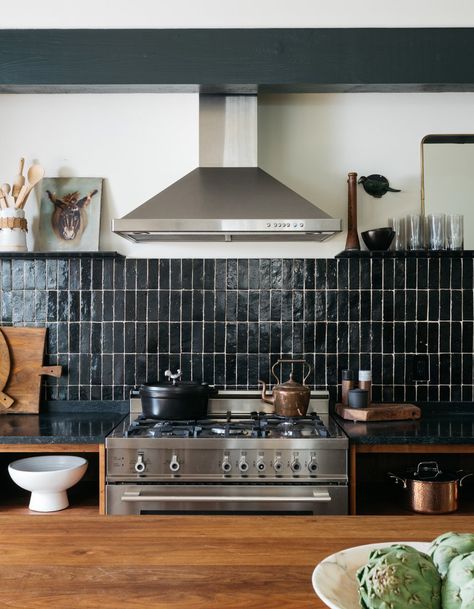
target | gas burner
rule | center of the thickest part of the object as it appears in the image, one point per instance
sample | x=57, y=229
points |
x=172, y=430
x=230, y=430
x=291, y=427
x=288, y=429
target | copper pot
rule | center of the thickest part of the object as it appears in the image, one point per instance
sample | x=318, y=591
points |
x=290, y=399
x=430, y=490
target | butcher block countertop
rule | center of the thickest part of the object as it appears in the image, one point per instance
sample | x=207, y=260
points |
x=184, y=562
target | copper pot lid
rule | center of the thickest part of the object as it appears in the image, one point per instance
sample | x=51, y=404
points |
x=429, y=471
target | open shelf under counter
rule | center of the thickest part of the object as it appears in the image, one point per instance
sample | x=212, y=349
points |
x=375, y=493
x=390, y=500
x=85, y=498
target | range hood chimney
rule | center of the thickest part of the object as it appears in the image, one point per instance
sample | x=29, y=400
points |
x=227, y=198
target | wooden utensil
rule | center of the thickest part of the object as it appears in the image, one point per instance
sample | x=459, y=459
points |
x=35, y=175
x=21, y=197
x=19, y=180
x=5, y=400
x=6, y=195
x=26, y=347
x=379, y=412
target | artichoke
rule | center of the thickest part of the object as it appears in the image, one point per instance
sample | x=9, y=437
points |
x=449, y=545
x=399, y=577
x=458, y=586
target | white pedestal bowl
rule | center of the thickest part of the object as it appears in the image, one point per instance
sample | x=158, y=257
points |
x=48, y=478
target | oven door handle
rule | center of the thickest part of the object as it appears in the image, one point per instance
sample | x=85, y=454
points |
x=135, y=496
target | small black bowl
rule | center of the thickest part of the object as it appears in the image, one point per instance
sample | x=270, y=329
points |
x=378, y=239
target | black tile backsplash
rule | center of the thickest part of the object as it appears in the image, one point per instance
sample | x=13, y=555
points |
x=114, y=323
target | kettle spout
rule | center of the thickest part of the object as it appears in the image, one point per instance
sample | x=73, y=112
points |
x=269, y=399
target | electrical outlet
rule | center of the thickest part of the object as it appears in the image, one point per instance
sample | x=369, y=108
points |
x=421, y=368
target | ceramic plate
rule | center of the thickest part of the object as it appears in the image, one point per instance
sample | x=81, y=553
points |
x=334, y=579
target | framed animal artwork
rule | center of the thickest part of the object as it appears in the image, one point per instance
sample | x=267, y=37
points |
x=70, y=215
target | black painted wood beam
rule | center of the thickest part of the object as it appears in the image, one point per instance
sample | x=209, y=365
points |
x=241, y=60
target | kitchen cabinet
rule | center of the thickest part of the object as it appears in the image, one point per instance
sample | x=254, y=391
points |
x=373, y=492
x=88, y=496
x=61, y=427
x=186, y=562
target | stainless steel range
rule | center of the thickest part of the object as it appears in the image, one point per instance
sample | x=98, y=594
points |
x=241, y=459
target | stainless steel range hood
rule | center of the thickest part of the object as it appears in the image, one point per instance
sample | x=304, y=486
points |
x=227, y=198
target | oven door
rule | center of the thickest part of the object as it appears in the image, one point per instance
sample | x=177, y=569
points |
x=261, y=499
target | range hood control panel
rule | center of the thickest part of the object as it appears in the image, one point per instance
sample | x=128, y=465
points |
x=285, y=224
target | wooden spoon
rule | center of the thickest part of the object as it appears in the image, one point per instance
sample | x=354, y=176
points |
x=6, y=195
x=19, y=180
x=35, y=175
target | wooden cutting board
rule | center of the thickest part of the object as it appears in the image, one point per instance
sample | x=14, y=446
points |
x=5, y=400
x=26, y=351
x=379, y=412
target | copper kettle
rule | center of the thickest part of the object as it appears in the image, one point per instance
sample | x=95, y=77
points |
x=290, y=399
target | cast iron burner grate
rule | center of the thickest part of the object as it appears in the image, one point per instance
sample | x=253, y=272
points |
x=255, y=425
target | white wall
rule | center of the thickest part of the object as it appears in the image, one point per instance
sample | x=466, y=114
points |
x=236, y=13
x=142, y=143
x=311, y=142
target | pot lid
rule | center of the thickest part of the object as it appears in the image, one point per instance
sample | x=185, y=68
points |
x=178, y=388
x=429, y=471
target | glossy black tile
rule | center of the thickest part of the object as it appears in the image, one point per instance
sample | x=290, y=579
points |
x=195, y=313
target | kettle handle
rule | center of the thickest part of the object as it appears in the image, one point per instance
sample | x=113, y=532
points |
x=291, y=361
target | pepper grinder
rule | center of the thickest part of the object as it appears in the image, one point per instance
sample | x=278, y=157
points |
x=348, y=379
x=365, y=382
x=352, y=241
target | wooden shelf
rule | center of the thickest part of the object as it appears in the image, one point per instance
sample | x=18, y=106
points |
x=83, y=501
x=381, y=500
x=30, y=255
x=406, y=254
x=296, y=60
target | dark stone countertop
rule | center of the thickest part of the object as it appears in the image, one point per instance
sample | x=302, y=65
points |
x=440, y=423
x=77, y=422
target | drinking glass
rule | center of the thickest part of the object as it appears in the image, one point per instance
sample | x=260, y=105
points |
x=414, y=231
x=455, y=231
x=436, y=231
x=399, y=242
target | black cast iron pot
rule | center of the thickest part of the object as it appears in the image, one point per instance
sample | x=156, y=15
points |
x=184, y=400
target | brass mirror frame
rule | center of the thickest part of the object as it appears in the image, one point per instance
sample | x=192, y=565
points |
x=439, y=138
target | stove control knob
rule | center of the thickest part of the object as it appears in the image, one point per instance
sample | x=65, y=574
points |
x=174, y=464
x=260, y=465
x=296, y=466
x=312, y=465
x=277, y=465
x=226, y=464
x=243, y=465
x=140, y=464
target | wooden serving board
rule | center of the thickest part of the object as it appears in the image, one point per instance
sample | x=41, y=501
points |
x=379, y=412
x=26, y=350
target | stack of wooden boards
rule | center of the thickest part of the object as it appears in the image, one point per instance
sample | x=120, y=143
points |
x=21, y=369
